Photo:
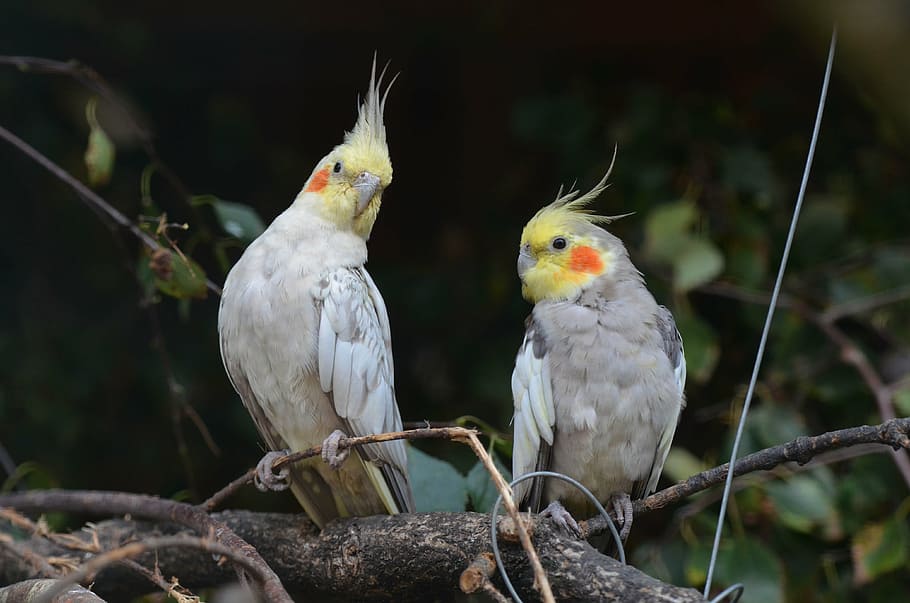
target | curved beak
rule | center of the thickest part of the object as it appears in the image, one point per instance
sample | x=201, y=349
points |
x=366, y=185
x=526, y=261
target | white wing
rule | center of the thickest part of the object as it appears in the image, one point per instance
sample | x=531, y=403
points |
x=355, y=368
x=535, y=414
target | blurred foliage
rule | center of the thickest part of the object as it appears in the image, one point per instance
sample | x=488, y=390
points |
x=109, y=382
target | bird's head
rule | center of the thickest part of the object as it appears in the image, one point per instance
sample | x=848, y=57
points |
x=563, y=250
x=347, y=184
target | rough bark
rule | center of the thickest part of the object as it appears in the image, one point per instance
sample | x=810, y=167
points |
x=403, y=558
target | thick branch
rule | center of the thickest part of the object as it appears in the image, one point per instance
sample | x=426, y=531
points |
x=401, y=557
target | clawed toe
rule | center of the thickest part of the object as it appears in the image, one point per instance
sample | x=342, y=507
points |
x=622, y=507
x=266, y=479
x=330, y=451
x=562, y=518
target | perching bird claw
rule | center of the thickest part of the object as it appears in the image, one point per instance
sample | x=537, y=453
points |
x=266, y=479
x=622, y=507
x=330, y=452
x=562, y=518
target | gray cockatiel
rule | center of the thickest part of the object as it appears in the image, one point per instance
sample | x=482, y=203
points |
x=598, y=380
x=305, y=334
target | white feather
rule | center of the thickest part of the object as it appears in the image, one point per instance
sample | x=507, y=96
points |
x=341, y=377
x=326, y=352
x=539, y=408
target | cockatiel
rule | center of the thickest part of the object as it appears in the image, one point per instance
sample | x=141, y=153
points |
x=305, y=333
x=598, y=380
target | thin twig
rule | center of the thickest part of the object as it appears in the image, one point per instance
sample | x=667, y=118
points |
x=849, y=352
x=172, y=589
x=441, y=433
x=894, y=433
x=541, y=582
x=92, y=80
x=99, y=562
x=781, y=472
x=852, y=355
x=42, y=567
x=865, y=304
x=88, y=196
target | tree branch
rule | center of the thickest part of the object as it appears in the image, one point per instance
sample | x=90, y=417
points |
x=118, y=503
x=894, y=433
x=399, y=557
x=457, y=434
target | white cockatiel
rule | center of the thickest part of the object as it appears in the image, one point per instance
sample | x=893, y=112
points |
x=598, y=380
x=305, y=333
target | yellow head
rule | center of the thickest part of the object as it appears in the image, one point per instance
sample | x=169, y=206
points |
x=347, y=184
x=563, y=250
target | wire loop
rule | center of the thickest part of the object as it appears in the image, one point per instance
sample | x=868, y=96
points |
x=560, y=476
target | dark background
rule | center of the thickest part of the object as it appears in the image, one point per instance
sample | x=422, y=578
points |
x=494, y=107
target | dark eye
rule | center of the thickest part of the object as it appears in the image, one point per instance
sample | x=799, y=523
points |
x=337, y=168
x=559, y=243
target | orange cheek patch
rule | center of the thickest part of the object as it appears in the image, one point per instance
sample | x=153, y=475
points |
x=586, y=259
x=318, y=182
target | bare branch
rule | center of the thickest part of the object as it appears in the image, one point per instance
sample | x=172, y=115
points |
x=88, y=196
x=427, y=433
x=894, y=433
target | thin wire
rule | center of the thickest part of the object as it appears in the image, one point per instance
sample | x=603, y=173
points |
x=561, y=476
x=771, y=306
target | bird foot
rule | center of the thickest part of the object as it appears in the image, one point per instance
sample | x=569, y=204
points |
x=266, y=479
x=330, y=452
x=562, y=518
x=622, y=508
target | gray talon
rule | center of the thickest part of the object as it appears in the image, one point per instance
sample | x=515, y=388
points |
x=266, y=479
x=562, y=518
x=330, y=452
x=622, y=507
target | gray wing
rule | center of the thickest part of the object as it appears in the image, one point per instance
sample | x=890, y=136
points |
x=535, y=415
x=355, y=368
x=672, y=345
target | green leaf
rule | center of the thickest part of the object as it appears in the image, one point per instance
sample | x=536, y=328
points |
x=742, y=560
x=802, y=502
x=774, y=424
x=697, y=262
x=436, y=484
x=902, y=401
x=174, y=275
x=667, y=229
x=100, y=151
x=239, y=220
x=700, y=345
x=880, y=548
x=481, y=491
